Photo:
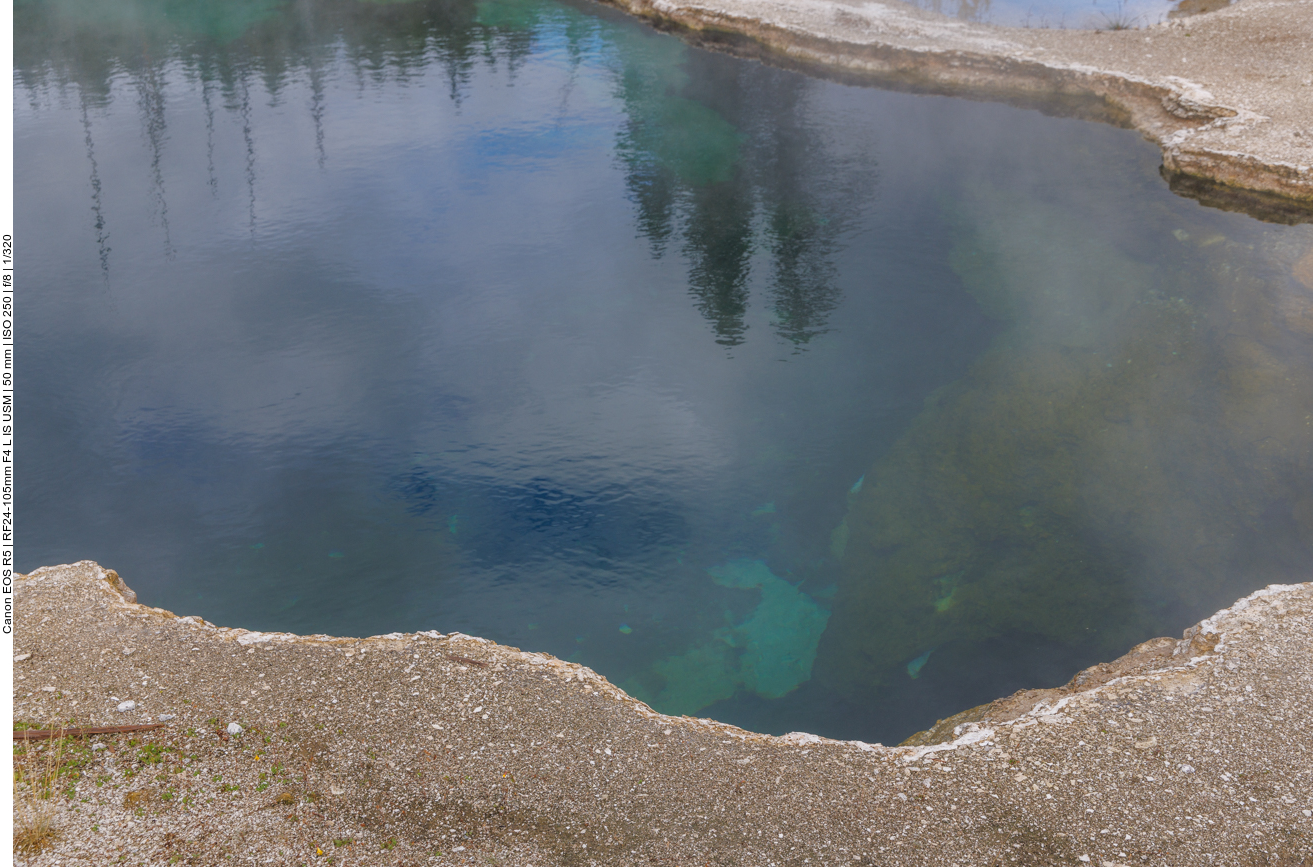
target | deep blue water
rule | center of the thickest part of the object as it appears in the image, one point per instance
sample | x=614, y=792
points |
x=521, y=320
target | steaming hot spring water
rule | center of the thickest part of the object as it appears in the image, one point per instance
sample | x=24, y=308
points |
x=796, y=405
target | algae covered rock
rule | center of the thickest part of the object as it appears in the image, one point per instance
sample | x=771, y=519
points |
x=1103, y=472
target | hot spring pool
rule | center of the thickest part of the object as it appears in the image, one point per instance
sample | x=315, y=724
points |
x=792, y=404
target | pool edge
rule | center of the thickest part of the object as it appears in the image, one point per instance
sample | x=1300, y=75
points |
x=1014, y=766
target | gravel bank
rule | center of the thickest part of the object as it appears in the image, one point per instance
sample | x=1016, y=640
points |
x=1228, y=95
x=447, y=749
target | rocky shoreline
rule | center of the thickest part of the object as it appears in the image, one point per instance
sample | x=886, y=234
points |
x=1227, y=95
x=448, y=749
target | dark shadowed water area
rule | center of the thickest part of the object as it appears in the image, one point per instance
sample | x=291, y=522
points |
x=788, y=403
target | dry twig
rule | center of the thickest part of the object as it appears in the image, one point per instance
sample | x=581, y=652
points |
x=43, y=734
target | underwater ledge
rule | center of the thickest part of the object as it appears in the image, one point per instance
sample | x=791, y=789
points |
x=1235, y=124
x=450, y=749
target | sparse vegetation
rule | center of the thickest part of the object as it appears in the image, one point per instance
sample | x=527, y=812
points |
x=38, y=768
x=1120, y=19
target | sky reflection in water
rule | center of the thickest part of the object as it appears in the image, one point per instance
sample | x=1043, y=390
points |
x=1071, y=14
x=521, y=320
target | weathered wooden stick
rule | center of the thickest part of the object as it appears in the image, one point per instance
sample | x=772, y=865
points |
x=40, y=734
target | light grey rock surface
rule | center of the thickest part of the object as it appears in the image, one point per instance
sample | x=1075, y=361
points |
x=447, y=749
x=1228, y=95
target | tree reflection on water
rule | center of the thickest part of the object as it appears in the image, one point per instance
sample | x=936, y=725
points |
x=723, y=159
x=722, y=162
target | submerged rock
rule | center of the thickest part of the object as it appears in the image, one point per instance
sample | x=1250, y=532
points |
x=914, y=667
x=770, y=653
x=1134, y=440
x=779, y=639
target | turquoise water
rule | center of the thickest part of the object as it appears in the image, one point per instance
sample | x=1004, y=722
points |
x=797, y=405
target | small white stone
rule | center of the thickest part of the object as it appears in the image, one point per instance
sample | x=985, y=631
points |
x=95, y=747
x=47, y=689
x=1185, y=769
x=337, y=790
x=22, y=656
x=128, y=651
x=165, y=717
x=127, y=705
x=235, y=729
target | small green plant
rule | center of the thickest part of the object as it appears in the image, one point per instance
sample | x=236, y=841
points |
x=151, y=754
x=346, y=841
x=390, y=843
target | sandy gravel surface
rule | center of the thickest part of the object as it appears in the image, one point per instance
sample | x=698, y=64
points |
x=446, y=749
x=1228, y=95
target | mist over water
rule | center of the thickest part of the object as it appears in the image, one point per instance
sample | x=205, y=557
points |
x=792, y=404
